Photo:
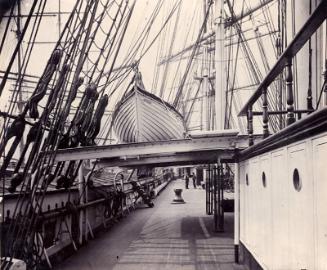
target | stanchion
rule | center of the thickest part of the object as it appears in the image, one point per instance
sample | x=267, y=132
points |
x=178, y=196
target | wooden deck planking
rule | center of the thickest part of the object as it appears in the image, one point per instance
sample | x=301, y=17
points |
x=167, y=236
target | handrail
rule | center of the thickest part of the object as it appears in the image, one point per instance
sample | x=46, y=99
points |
x=312, y=125
x=310, y=26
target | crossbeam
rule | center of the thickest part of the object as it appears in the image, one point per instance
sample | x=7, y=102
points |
x=190, y=158
x=226, y=141
x=228, y=23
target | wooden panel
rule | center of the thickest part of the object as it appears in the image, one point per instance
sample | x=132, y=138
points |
x=280, y=210
x=265, y=206
x=242, y=202
x=300, y=210
x=253, y=214
x=247, y=205
x=320, y=179
x=282, y=227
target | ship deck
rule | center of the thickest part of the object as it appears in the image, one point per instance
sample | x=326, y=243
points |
x=168, y=236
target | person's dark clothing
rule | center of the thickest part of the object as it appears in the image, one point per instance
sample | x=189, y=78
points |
x=186, y=181
x=194, y=180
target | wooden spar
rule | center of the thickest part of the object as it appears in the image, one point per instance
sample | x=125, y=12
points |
x=220, y=105
x=82, y=194
x=205, y=91
x=239, y=17
x=228, y=23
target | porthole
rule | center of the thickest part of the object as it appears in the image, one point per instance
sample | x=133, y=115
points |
x=264, y=183
x=297, y=180
x=247, y=179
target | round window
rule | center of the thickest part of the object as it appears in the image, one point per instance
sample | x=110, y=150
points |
x=264, y=183
x=297, y=180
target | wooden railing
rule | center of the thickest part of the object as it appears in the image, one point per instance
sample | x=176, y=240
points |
x=285, y=61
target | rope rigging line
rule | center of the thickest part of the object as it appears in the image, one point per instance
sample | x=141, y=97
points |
x=112, y=42
x=187, y=118
x=159, y=32
x=119, y=44
x=180, y=58
x=84, y=50
x=274, y=85
x=68, y=21
x=161, y=44
x=180, y=88
x=255, y=72
x=42, y=199
x=163, y=84
x=129, y=60
x=61, y=86
x=228, y=112
x=23, y=67
x=45, y=113
x=103, y=47
x=132, y=51
x=158, y=56
x=17, y=47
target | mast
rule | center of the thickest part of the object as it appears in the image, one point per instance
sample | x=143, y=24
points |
x=59, y=18
x=220, y=85
x=205, y=82
x=205, y=89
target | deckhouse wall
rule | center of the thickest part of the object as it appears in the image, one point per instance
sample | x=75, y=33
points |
x=283, y=224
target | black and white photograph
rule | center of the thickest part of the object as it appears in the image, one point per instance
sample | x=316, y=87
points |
x=163, y=134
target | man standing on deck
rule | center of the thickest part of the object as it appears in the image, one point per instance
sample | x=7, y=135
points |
x=186, y=177
x=194, y=180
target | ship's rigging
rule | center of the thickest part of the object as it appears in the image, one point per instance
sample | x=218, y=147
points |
x=83, y=77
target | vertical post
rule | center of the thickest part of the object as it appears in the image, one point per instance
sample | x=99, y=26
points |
x=250, y=125
x=265, y=113
x=220, y=65
x=81, y=186
x=325, y=80
x=215, y=201
x=279, y=47
x=289, y=93
x=86, y=199
x=309, y=95
x=59, y=18
x=123, y=201
x=236, y=211
x=220, y=197
x=211, y=188
x=207, y=191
